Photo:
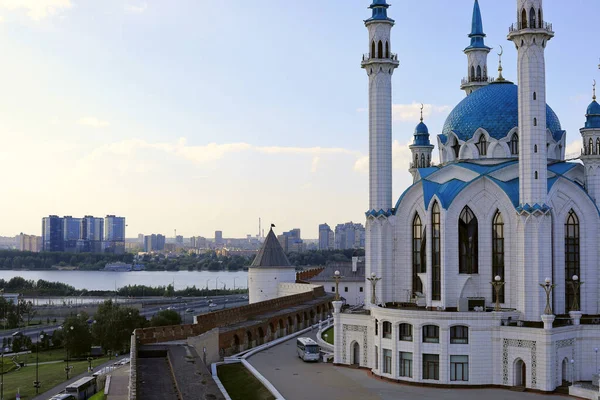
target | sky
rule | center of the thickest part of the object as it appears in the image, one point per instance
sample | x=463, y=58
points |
x=203, y=115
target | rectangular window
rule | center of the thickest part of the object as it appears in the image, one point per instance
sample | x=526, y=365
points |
x=431, y=366
x=431, y=334
x=376, y=357
x=406, y=333
x=498, y=254
x=459, y=368
x=333, y=289
x=387, y=361
x=406, y=364
x=387, y=330
x=418, y=259
x=459, y=334
x=360, y=289
x=346, y=289
x=436, y=266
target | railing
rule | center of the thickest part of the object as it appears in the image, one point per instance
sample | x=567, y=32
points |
x=517, y=26
x=590, y=151
x=368, y=57
x=483, y=79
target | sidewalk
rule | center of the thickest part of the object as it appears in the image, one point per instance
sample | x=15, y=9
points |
x=119, y=385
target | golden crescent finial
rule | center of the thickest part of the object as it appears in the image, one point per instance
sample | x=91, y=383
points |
x=501, y=51
x=422, y=106
x=500, y=77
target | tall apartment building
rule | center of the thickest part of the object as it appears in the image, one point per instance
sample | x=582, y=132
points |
x=52, y=233
x=326, y=237
x=198, y=242
x=71, y=233
x=218, y=238
x=291, y=241
x=349, y=236
x=114, y=234
x=154, y=242
x=30, y=243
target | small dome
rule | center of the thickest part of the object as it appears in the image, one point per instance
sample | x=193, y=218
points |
x=421, y=128
x=593, y=115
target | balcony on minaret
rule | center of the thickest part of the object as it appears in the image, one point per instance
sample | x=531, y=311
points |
x=476, y=81
x=531, y=27
x=369, y=58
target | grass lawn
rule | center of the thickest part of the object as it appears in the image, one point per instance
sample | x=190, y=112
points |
x=50, y=375
x=241, y=384
x=98, y=396
x=329, y=333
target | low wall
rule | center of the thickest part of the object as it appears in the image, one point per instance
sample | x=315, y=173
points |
x=133, y=355
x=290, y=289
x=208, y=341
x=304, y=276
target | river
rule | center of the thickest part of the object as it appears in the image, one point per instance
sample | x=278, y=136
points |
x=107, y=280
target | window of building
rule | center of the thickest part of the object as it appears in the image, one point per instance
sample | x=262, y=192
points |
x=360, y=289
x=380, y=49
x=468, y=261
x=482, y=146
x=431, y=334
x=535, y=148
x=597, y=145
x=532, y=22
x=333, y=289
x=571, y=258
x=405, y=333
x=376, y=357
x=459, y=334
x=346, y=289
x=498, y=253
x=536, y=174
x=417, y=285
x=436, y=268
x=431, y=366
x=387, y=330
x=387, y=361
x=456, y=148
x=591, y=146
x=376, y=327
x=459, y=368
x=534, y=95
x=535, y=122
x=387, y=50
x=406, y=364
x=514, y=144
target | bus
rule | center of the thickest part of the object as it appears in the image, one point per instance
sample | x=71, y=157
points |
x=308, y=349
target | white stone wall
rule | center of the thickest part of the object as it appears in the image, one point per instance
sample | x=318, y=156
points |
x=354, y=295
x=289, y=289
x=263, y=283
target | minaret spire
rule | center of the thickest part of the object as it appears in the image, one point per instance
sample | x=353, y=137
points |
x=477, y=53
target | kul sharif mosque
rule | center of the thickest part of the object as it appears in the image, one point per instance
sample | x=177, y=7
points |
x=486, y=270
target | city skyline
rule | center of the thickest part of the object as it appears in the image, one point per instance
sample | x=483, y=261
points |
x=148, y=113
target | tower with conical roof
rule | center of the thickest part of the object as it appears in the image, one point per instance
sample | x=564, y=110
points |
x=477, y=53
x=590, y=154
x=269, y=268
x=421, y=149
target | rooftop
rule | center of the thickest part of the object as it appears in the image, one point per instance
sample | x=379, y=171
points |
x=271, y=254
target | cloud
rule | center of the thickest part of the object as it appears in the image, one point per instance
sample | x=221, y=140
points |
x=315, y=164
x=93, y=122
x=573, y=149
x=136, y=9
x=401, y=158
x=36, y=9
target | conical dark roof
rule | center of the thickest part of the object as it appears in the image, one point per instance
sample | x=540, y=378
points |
x=271, y=254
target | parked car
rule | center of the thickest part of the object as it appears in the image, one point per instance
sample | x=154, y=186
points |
x=212, y=305
x=189, y=310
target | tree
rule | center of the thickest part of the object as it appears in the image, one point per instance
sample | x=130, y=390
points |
x=166, y=318
x=26, y=309
x=58, y=338
x=115, y=324
x=78, y=338
x=21, y=342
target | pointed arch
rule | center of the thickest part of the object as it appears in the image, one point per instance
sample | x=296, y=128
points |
x=373, y=49
x=482, y=145
x=380, y=49
x=498, y=253
x=417, y=241
x=523, y=19
x=540, y=21
x=532, y=18
x=514, y=144
x=597, y=145
x=436, y=266
x=422, y=160
x=416, y=164
x=387, y=49
x=468, y=257
x=472, y=78
x=479, y=73
x=572, y=259
x=591, y=146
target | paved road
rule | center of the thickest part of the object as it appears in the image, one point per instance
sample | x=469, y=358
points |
x=297, y=380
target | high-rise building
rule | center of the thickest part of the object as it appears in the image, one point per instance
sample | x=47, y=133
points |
x=349, y=236
x=291, y=241
x=92, y=234
x=114, y=234
x=71, y=232
x=218, y=238
x=141, y=238
x=198, y=242
x=30, y=243
x=52, y=233
x=154, y=242
x=326, y=237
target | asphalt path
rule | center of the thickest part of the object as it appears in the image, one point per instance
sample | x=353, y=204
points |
x=198, y=305
x=299, y=380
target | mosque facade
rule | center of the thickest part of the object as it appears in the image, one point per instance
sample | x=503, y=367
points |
x=486, y=269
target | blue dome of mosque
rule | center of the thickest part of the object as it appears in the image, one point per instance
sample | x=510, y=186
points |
x=593, y=115
x=421, y=128
x=494, y=108
x=421, y=135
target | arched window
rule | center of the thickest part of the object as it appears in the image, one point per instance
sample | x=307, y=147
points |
x=535, y=122
x=373, y=49
x=532, y=22
x=387, y=50
x=571, y=259
x=429, y=160
x=467, y=242
x=534, y=95
x=387, y=330
x=431, y=334
x=422, y=160
x=498, y=253
x=597, y=145
x=417, y=237
x=535, y=148
x=472, y=73
x=478, y=73
x=536, y=175
x=405, y=333
x=459, y=334
x=436, y=267
x=416, y=161
x=380, y=49
x=514, y=144
x=540, y=20
x=456, y=148
x=523, y=19
x=482, y=145
x=591, y=146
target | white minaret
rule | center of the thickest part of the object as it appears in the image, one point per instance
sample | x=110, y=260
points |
x=421, y=149
x=590, y=154
x=380, y=64
x=534, y=231
x=530, y=35
x=477, y=53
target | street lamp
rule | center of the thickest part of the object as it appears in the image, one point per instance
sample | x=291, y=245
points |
x=67, y=368
x=36, y=384
x=575, y=284
x=234, y=283
x=497, y=284
x=208, y=280
x=548, y=286
x=337, y=277
x=373, y=279
x=572, y=372
x=4, y=350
